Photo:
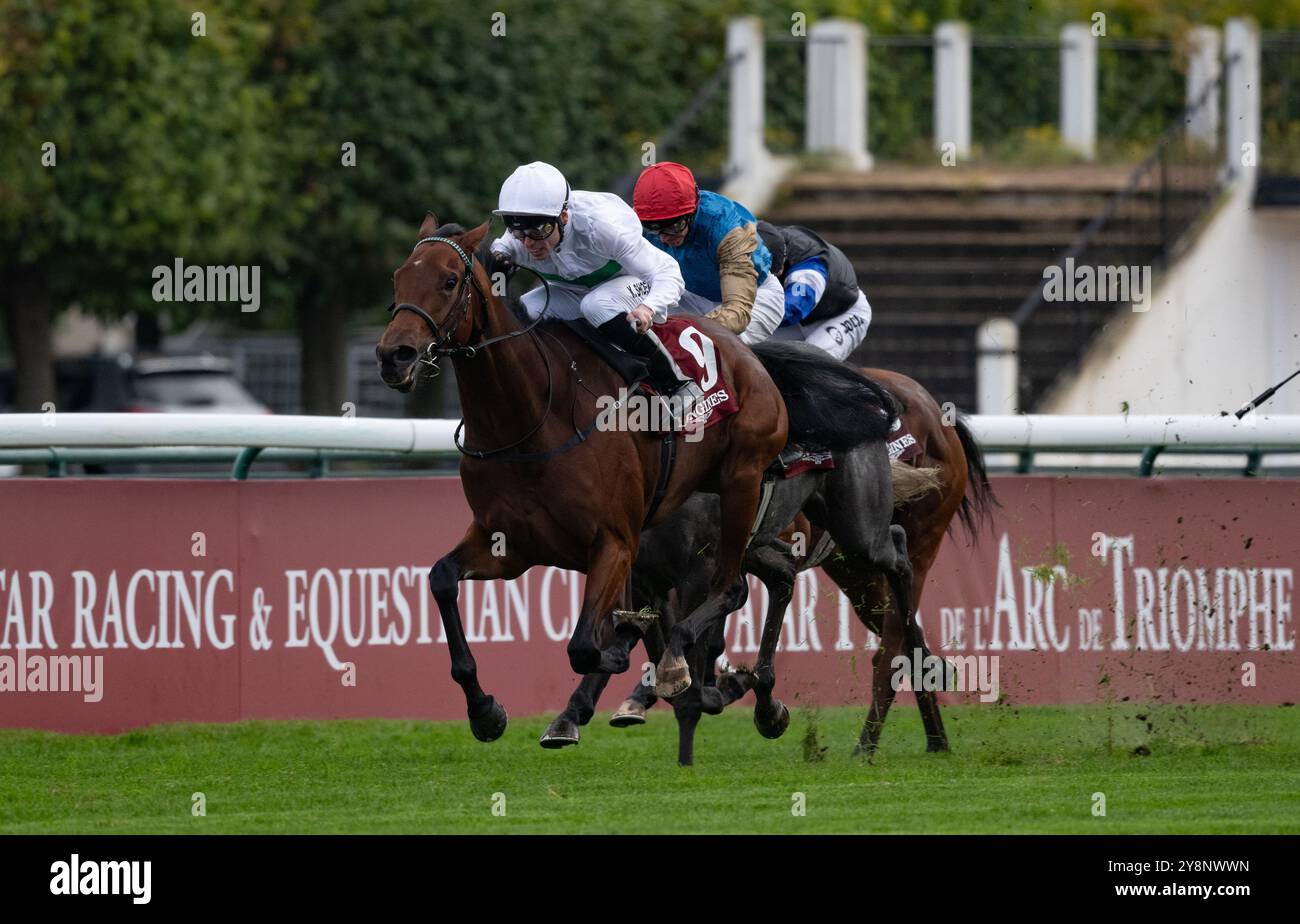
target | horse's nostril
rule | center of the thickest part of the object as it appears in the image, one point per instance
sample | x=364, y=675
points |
x=396, y=355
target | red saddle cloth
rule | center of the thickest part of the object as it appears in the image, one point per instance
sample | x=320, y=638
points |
x=810, y=460
x=902, y=445
x=695, y=354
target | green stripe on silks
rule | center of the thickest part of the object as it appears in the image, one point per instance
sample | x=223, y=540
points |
x=592, y=279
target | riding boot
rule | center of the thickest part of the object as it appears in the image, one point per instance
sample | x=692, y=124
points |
x=665, y=376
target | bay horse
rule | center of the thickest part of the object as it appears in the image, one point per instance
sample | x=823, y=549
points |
x=561, y=493
x=950, y=479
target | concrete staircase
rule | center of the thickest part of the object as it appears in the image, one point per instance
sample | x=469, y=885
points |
x=940, y=250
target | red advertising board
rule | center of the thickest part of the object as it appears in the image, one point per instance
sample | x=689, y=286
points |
x=126, y=603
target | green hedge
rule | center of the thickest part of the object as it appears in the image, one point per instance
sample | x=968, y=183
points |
x=226, y=148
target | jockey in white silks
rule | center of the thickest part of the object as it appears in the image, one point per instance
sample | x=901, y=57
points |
x=725, y=264
x=823, y=304
x=589, y=248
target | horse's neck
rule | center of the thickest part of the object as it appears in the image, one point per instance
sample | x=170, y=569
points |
x=503, y=388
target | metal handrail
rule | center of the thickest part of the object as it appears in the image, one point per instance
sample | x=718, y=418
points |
x=1153, y=160
x=91, y=439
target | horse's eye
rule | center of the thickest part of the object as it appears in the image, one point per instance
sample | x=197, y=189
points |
x=450, y=284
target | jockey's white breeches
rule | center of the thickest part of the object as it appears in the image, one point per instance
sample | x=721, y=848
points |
x=839, y=335
x=611, y=299
x=769, y=309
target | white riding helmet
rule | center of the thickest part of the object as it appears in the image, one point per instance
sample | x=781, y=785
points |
x=534, y=189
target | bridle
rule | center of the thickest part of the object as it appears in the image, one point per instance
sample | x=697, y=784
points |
x=440, y=347
x=440, y=337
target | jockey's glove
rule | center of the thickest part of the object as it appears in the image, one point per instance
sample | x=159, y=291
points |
x=499, y=263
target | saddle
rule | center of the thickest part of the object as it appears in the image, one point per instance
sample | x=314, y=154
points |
x=632, y=369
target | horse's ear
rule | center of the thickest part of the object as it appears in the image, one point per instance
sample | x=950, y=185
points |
x=429, y=225
x=475, y=237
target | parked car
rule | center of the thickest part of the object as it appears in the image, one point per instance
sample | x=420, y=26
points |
x=164, y=384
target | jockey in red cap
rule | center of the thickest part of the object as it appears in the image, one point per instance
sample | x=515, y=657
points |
x=724, y=262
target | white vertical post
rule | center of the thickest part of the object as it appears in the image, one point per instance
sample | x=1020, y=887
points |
x=997, y=367
x=836, y=99
x=1241, y=39
x=952, y=87
x=1202, y=71
x=1079, y=88
x=747, y=152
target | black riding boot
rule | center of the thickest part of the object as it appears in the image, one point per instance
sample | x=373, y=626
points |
x=664, y=375
x=663, y=370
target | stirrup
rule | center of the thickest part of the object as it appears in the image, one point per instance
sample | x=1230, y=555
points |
x=678, y=404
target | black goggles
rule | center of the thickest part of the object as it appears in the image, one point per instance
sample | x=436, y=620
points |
x=525, y=226
x=669, y=226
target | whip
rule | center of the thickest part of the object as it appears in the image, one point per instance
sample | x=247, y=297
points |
x=1260, y=398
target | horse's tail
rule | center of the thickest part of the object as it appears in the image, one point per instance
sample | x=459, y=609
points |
x=912, y=483
x=830, y=405
x=978, y=503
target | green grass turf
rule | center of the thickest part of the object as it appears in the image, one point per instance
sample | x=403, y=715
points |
x=1211, y=769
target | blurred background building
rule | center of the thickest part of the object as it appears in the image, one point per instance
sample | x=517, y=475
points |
x=954, y=150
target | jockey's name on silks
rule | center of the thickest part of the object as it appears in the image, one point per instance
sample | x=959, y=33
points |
x=715, y=217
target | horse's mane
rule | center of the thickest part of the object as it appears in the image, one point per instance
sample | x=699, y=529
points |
x=455, y=229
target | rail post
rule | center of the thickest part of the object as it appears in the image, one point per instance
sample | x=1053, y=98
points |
x=952, y=87
x=1079, y=89
x=836, y=94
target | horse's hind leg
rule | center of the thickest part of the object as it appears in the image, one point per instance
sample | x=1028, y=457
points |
x=879, y=613
x=777, y=572
x=927, y=701
x=690, y=705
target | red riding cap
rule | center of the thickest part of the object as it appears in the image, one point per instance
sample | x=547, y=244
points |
x=665, y=190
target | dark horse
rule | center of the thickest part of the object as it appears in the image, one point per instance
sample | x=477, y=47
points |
x=538, y=474
x=947, y=479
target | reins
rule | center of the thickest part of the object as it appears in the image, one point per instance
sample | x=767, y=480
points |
x=440, y=347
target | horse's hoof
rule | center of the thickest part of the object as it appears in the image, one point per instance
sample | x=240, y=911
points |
x=864, y=750
x=629, y=713
x=772, y=723
x=735, y=684
x=673, y=678
x=561, y=733
x=490, y=725
x=937, y=747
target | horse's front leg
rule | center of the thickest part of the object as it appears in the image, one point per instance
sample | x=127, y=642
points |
x=564, y=728
x=727, y=588
x=607, y=576
x=472, y=559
